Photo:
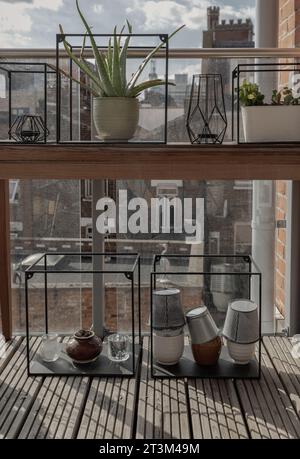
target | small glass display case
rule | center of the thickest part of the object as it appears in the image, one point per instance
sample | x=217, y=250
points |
x=98, y=296
x=205, y=318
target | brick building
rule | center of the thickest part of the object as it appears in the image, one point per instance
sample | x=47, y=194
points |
x=227, y=34
x=288, y=37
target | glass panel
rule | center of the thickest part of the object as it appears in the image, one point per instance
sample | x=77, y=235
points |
x=45, y=217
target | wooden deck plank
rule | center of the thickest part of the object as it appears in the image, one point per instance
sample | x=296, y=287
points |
x=109, y=409
x=17, y=391
x=91, y=415
x=236, y=423
x=7, y=349
x=288, y=369
x=267, y=408
x=162, y=410
x=62, y=407
x=56, y=408
x=215, y=409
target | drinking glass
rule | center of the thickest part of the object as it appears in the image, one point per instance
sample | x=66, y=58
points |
x=118, y=347
x=50, y=349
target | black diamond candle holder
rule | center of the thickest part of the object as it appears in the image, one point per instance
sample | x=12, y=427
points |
x=28, y=129
x=206, y=118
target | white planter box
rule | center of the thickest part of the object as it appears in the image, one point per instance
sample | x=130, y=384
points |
x=271, y=123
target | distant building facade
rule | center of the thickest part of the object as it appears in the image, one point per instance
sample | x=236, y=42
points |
x=222, y=34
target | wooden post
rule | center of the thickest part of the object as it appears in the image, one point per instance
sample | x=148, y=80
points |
x=5, y=276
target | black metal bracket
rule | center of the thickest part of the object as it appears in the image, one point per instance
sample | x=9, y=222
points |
x=164, y=38
x=60, y=37
x=128, y=275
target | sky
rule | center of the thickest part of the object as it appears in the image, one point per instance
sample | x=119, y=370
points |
x=34, y=23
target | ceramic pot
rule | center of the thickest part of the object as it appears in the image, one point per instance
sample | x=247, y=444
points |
x=242, y=323
x=84, y=346
x=221, y=300
x=167, y=350
x=271, y=123
x=115, y=118
x=241, y=353
x=167, y=309
x=207, y=353
x=201, y=325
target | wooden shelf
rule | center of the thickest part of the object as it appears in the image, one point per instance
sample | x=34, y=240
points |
x=146, y=161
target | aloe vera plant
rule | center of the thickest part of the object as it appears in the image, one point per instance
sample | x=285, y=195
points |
x=109, y=77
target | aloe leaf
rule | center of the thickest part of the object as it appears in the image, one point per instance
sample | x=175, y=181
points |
x=123, y=57
x=99, y=58
x=136, y=90
x=120, y=35
x=116, y=73
x=109, y=57
x=83, y=47
x=135, y=77
x=85, y=68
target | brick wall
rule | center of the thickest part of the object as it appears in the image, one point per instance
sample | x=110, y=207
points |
x=289, y=23
x=289, y=37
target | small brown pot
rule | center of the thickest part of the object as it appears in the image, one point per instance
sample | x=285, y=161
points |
x=84, y=346
x=207, y=353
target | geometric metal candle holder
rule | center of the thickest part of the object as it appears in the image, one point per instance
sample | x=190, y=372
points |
x=28, y=129
x=206, y=118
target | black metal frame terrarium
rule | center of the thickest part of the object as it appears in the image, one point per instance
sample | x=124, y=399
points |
x=76, y=48
x=193, y=276
x=239, y=73
x=28, y=127
x=64, y=365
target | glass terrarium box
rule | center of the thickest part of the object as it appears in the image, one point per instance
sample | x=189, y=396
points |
x=205, y=317
x=93, y=107
x=27, y=102
x=98, y=296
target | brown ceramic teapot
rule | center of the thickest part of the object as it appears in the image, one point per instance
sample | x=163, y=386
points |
x=84, y=346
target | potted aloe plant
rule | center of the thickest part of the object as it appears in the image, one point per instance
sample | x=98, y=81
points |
x=276, y=121
x=115, y=100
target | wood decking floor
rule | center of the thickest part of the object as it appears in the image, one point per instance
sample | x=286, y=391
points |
x=140, y=407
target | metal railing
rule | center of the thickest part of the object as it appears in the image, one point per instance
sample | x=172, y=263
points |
x=176, y=53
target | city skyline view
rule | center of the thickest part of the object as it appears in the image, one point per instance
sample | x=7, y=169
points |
x=34, y=23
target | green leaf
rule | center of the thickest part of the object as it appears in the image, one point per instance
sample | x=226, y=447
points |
x=109, y=58
x=116, y=73
x=123, y=58
x=81, y=63
x=146, y=85
x=83, y=47
x=99, y=58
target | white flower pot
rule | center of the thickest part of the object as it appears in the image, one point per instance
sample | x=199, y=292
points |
x=241, y=353
x=167, y=350
x=115, y=118
x=221, y=300
x=271, y=123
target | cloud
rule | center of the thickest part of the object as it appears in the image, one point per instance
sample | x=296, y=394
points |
x=166, y=13
x=16, y=20
x=34, y=23
x=98, y=8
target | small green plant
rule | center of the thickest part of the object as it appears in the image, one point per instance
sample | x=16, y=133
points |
x=284, y=97
x=108, y=79
x=250, y=94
